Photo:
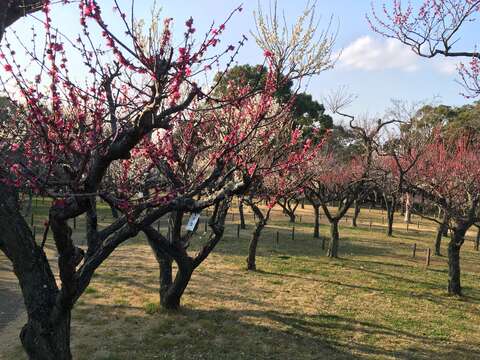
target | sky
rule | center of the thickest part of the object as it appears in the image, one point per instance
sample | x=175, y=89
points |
x=373, y=68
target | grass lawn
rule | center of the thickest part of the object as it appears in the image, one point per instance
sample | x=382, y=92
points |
x=375, y=302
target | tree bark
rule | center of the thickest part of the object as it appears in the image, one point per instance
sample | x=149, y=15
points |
x=115, y=213
x=170, y=296
x=43, y=340
x=440, y=233
x=316, y=229
x=12, y=10
x=242, y=215
x=174, y=249
x=438, y=240
x=334, y=240
x=456, y=241
x=171, y=290
x=291, y=216
x=252, y=247
x=288, y=209
x=356, y=212
x=46, y=336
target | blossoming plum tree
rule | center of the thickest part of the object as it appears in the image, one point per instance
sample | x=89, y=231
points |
x=140, y=133
x=445, y=172
x=70, y=139
x=333, y=181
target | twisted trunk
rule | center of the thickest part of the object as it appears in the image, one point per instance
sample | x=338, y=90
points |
x=289, y=207
x=174, y=249
x=46, y=335
x=171, y=290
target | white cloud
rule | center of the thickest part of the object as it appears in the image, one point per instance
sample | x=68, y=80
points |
x=447, y=66
x=367, y=53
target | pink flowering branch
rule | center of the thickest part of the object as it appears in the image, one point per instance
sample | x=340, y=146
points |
x=431, y=30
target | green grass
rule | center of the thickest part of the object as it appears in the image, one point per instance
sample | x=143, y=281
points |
x=374, y=302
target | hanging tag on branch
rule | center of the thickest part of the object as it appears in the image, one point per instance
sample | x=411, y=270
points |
x=192, y=222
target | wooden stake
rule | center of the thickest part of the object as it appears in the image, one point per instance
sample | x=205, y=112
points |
x=238, y=231
x=414, y=249
x=429, y=253
x=293, y=233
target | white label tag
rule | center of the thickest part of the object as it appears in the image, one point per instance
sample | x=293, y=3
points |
x=192, y=222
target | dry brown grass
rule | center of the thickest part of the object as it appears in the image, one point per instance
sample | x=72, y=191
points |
x=376, y=302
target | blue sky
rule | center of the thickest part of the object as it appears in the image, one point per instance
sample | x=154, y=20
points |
x=375, y=69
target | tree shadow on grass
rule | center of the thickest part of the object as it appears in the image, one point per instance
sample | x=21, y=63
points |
x=426, y=295
x=269, y=334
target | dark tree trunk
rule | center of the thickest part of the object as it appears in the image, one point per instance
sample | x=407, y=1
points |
x=438, y=240
x=174, y=249
x=114, y=211
x=166, y=274
x=390, y=204
x=445, y=231
x=442, y=228
x=316, y=229
x=356, y=212
x=334, y=240
x=11, y=11
x=43, y=340
x=242, y=215
x=389, y=225
x=252, y=247
x=171, y=290
x=170, y=297
x=291, y=216
x=289, y=208
x=456, y=240
x=46, y=336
